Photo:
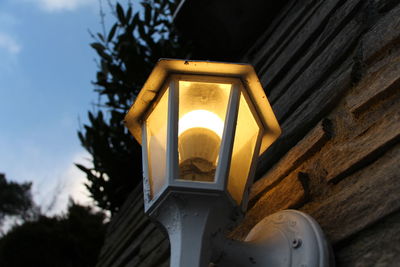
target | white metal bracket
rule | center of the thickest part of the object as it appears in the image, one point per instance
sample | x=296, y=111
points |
x=287, y=238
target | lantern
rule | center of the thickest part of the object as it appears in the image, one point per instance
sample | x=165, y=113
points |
x=202, y=126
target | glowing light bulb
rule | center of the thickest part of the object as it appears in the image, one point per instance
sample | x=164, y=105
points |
x=200, y=133
x=201, y=119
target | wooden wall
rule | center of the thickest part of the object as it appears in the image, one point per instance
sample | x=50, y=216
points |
x=331, y=70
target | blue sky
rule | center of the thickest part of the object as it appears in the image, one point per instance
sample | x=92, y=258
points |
x=46, y=66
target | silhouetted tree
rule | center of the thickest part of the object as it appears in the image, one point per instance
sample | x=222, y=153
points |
x=127, y=54
x=16, y=200
x=71, y=240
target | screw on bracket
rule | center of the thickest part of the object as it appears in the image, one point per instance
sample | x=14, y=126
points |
x=296, y=243
x=252, y=260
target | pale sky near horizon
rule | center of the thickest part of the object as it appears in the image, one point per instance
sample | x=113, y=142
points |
x=46, y=69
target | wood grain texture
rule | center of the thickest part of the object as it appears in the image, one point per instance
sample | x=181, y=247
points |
x=127, y=224
x=384, y=35
x=159, y=256
x=377, y=86
x=285, y=27
x=291, y=43
x=137, y=248
x=373, y=195
x=385, y=5
x=345, y=158
x=375, y=246
x=130, y=240
x=317, y=72
x=306, y=45
x=253, y=54
x=289, y=193
x=119, y=239
x=132, y=205
x=307, y=115
x=303, y=150
x=327, y=30
x=154, y=244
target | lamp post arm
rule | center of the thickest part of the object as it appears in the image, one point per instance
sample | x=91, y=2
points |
x=192, y=223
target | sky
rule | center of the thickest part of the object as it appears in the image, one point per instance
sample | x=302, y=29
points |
x=46, y=69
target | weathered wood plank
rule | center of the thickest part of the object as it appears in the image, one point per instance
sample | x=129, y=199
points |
x=135, y=246
x=306, y=45
x=253, y=53
x=280, y=47
x=130, y=211
x=159, y=256
x=303, y=150
x=379, y=85
x=375, y=246
x=385, y=5
x=309, y=112
x=310, y=79
x=289, y=193
x=118, y=238
x=131, y=219
x=384, y=35
x=133, y=204
x=369, y=195
x=291, y=22
x=155, y=242
x=346, y=158
x=122, y=241
x=121, y=222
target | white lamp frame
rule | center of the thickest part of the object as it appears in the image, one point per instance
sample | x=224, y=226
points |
x=172, y=183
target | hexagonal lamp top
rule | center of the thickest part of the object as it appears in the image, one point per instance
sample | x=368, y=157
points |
x=202, y=126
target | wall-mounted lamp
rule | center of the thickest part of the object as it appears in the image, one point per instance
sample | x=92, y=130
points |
x=202, y=126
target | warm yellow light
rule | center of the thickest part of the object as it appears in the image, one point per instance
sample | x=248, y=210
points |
x=201, y=119
x=202, y=111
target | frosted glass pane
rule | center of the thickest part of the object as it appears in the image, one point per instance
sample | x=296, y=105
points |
x=202, y=111
x=243, y=150
x=157, y=144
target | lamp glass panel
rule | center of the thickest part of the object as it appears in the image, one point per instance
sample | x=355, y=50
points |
x=202, y=112
x=156, y=125
x=244, y=144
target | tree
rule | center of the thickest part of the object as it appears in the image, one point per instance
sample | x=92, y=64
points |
x=16, y=200
x=74, y=239
x=127, y=54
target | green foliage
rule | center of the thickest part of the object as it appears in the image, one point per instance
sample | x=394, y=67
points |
x=15, y=200
x=127, y=54
x=74, y=239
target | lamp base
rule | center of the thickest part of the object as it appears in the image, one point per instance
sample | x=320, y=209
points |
x=287, y=238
